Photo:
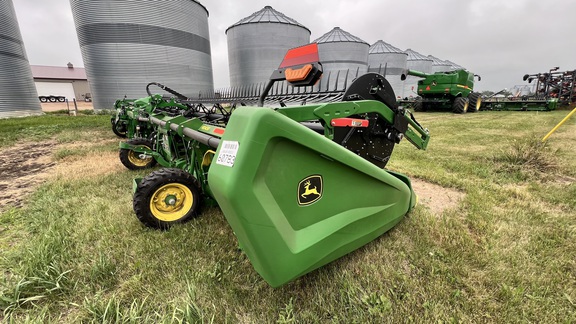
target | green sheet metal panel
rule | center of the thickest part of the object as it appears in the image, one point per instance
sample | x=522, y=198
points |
x=287, y=226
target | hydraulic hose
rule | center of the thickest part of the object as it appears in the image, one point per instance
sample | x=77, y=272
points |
x=165, y=88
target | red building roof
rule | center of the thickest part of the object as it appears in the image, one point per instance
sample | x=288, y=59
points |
x=58, y=72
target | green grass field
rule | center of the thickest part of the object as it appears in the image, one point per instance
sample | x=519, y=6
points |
x=75, y=252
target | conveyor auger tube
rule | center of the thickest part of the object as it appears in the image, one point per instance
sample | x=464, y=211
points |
x=211, y=141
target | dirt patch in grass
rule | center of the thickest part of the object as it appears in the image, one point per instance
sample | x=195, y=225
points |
x=436, y=198
x=57, y=106
x=23, y=167
x=90, y=166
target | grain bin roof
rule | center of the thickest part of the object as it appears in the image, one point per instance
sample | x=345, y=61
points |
x=338, y=35
x=381, y=47
x=415, y=56
x=437, y=61
x=268, y=15
x=455, y=66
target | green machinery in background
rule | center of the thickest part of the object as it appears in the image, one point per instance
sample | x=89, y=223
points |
x=445, y=91
x=300, y=186
x=519, y=104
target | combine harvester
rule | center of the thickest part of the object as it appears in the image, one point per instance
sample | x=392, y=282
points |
x=445, y=91
x=300, y=186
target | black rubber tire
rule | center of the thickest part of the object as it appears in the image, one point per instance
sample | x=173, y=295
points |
x=119, y=129
x=460, y=105
x=418, y=106
x=52, y=99
x=131, y=160
x=154, y=191
x=474, y=102
x=43, y=99
x=61, y=99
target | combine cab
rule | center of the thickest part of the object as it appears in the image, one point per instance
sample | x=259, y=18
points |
x=446, y=91
x=300, y=186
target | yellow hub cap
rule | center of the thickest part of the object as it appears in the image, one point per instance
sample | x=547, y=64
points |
x=136, y=158
x=171, y=202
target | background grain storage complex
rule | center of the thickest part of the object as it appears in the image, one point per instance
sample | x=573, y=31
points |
x=417, y=62
x=127, y=44
x=257, y=44
x=17, y=91
x=440, y=66
x=343, y=56
x=389, y=61
x=455, y=66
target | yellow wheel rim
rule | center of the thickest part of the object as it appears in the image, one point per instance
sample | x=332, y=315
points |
x=466, y=106
x=171, y=202
x=136, y=160
x=478, y=103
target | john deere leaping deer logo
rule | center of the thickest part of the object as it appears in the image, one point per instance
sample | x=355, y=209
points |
x=310, y=190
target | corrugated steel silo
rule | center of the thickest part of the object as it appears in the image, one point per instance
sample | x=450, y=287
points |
x=257, y=44
x=417, y=62
x=389, y=61
x=18, y=96
x=343, y=56
x=127, y=44
x=455, y=66
x=439, y=66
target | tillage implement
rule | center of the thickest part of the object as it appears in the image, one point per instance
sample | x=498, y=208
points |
x=300, y=186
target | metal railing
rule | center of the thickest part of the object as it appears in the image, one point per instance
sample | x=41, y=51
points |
x=330, y=88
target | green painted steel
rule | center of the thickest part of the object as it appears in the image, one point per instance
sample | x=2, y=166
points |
x=301, y=186
x=440, y=90
x=131, y=115
x=295, y=199
x=520, y=104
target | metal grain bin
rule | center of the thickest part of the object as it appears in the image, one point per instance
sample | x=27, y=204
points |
x=343, y=56
x=455, y=66
x=439, y=66
x=417, y=62
x=258, y=43
x=128, y=44
x=389, y=61
x=18, y=96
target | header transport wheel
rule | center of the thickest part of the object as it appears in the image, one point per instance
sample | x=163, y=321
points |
x=166, y=197
x=134, y=160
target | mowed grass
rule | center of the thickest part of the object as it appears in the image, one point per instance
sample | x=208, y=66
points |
x=76, y=252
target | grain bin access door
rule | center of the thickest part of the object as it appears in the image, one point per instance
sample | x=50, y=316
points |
x=58, y=89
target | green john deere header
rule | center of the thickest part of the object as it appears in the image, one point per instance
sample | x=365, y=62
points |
x=300, y=186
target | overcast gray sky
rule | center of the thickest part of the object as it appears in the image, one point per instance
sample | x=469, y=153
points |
x=499, y=39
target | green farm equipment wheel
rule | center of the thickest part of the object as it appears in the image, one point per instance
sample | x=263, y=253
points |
x=119, y=129
x=134, y=160
x=460, y=105
x=166, y=197
x=474, y=102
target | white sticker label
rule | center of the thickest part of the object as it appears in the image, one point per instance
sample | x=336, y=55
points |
x=228, y=153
